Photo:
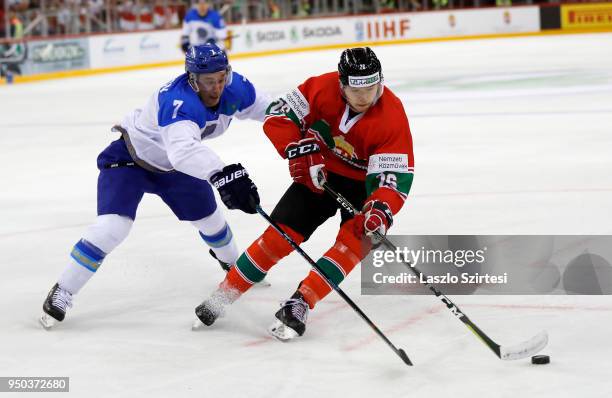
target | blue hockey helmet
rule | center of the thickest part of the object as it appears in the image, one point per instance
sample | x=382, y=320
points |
x=206, y=58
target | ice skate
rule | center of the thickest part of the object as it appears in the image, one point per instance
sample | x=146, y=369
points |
x=290, y=319
x=54, y=307
x=224, y=266
x=213, y=308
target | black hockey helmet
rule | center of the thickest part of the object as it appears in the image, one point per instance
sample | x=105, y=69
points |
x=359, y=67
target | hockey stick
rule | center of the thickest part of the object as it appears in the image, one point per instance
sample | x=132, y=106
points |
x=400, y=352
x=518, y=351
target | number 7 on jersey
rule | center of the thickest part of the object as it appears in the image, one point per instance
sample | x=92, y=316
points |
x=177, y=104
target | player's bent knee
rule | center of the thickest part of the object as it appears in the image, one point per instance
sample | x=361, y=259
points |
x=212, y=224
x=271, y=241
x=108, y=231
x=358, y=246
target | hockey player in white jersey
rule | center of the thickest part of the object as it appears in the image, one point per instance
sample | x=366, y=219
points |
x=160, y=151
x=202, y=24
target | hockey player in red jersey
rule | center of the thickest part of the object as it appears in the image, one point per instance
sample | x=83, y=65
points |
x=350, y=128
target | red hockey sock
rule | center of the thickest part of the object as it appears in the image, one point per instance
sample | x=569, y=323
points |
x=337, y=263
x=253, y=265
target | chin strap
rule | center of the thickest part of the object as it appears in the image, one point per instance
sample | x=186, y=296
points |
x=229, y=75
x=192, y=77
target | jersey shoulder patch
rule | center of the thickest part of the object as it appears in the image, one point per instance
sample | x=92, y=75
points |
x=238, y=95
x=212, y=17
x=215, y=19
x=298, y=103
x=177, y=102
x=314, y=93
x=389, y=162
x=192, y=15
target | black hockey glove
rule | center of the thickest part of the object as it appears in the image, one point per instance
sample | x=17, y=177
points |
x=237, y=190
x=185, y=43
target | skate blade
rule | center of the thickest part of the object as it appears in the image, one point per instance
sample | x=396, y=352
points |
x=282, y=332
x=263, y=283
x=197, y=325
x=47, y=321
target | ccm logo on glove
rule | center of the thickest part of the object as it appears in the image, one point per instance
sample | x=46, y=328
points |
x=306, y=163
x=301, y=150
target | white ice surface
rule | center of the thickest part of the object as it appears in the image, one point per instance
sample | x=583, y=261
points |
x=511, y=136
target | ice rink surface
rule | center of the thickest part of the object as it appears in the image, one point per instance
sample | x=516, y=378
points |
x=511, y=136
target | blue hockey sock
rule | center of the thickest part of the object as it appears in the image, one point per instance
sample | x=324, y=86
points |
x=223, y=244
x=86, y=258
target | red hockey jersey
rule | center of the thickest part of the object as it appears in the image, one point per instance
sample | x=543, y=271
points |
x=374, y=146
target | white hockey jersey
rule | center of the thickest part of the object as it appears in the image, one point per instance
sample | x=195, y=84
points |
x=167, y=132
x=204, y=29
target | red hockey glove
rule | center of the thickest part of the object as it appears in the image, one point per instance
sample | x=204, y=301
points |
x=375, y=216
x=305, y=163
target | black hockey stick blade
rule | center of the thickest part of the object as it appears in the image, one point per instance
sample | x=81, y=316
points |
x=402, y=354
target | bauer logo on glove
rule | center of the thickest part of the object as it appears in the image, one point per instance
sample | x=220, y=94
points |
x=218, y=183
x=236, y=189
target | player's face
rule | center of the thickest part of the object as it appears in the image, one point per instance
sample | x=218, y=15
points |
x=211, y=87
x=360, y=99
x=202, y=7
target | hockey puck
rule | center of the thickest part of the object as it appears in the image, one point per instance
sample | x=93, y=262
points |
x=540, y=359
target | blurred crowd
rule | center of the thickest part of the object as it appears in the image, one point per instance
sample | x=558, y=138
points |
x=66, y=17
